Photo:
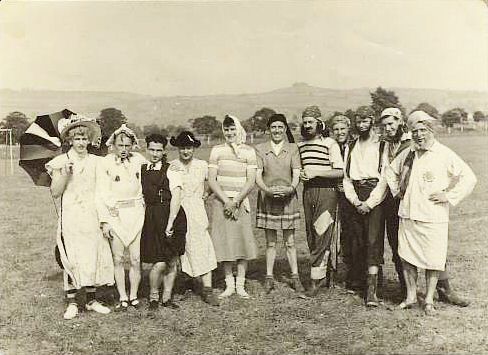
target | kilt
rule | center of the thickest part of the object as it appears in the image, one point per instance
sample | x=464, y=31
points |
x=277, y=213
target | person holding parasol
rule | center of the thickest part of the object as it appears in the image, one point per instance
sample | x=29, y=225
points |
x=84, y=252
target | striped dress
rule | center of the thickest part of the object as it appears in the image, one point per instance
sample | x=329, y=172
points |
x=232, y=239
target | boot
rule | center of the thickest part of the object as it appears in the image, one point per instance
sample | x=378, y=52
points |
x=209, y=297
x=314, y=288
x=230, y=287
x=447, y=295
x=240, y=287
x=371, y=298
x=268, y=284
x=296, y=284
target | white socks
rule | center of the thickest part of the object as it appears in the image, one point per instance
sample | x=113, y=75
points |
x=230, y=287
x=240, y=287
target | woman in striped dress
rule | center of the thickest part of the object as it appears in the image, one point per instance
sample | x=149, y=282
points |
x=231, y=176
x=277, y=177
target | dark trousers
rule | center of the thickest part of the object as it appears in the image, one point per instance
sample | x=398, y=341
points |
x=391, y=206
x=367, y=244
x=346, y=209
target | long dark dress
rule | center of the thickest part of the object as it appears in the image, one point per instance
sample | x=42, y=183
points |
x=155, y=245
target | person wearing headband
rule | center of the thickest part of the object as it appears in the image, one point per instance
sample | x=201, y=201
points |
x=199, y=258
x=122, y=214
x=322, y=165
x=365, y=189
x=427, y=178
x=277, y=177
x=83, y=251
x=231, y=176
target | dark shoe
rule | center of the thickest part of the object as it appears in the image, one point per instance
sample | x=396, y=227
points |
x=209, y=297
x=269, y=284
x=170, y=304
x=153, y=305
x=449, y=296
x=296, y=284
x=371, y=298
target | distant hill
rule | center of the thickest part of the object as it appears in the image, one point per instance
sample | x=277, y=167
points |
x=145, y=109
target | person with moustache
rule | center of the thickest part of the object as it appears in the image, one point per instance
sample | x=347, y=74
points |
x=199, y=258
x=340, y=126
x=427, y=177
x=277, y=177
x=398, y=139
x=322, y=165
x=365, y=189
x=165, y=222
x=122, y=212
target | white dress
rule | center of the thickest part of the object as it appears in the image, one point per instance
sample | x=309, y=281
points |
x=120, y=188
x=85, y=253
x=199, y=257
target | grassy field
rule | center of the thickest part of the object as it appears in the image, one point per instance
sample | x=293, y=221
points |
x=31, y=297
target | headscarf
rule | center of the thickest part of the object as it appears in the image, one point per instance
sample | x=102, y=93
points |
x=421, y=117
x=240, y=134
x=414, y=118
x=125, y=130
x=278, y=117
x=314, y=111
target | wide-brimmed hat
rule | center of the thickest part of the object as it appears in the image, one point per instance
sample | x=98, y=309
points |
x=66, y=124
x=185, y=139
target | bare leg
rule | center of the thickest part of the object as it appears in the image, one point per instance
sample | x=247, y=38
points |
x=155, y=280
x=135, y=267
x=119, y=271
x=431, y=277
x=291, y=251
x=270, y=251
x=169, y=280
x=410, y=274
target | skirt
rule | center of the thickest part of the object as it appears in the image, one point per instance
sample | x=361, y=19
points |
x=277, y=213
x=155, y=245
x=423, y=244
x=232, y=239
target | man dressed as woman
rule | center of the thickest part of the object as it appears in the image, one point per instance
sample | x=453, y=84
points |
x=163, y=234
x=277, y=177
x=84, y=252
x=199, y=259
x=231, y=176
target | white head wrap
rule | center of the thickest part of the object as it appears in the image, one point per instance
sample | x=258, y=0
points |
x=421, y=117
x=125, y=130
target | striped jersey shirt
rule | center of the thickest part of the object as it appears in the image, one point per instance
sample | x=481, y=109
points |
x=231, y=168
x=320, y=154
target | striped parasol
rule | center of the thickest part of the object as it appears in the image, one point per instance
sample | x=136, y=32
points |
x=39, y=144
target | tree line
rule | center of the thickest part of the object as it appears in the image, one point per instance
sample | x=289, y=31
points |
x=111, y=118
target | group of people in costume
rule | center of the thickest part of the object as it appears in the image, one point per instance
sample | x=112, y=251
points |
x=356, y=185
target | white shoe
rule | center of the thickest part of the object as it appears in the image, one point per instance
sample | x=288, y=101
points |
x=240, y=288
x=71, y=312
x=97, y=307
x=230, y=288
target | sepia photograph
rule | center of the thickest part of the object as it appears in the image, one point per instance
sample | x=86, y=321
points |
x=243, y=177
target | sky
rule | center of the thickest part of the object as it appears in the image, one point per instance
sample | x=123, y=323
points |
x=231, y=47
